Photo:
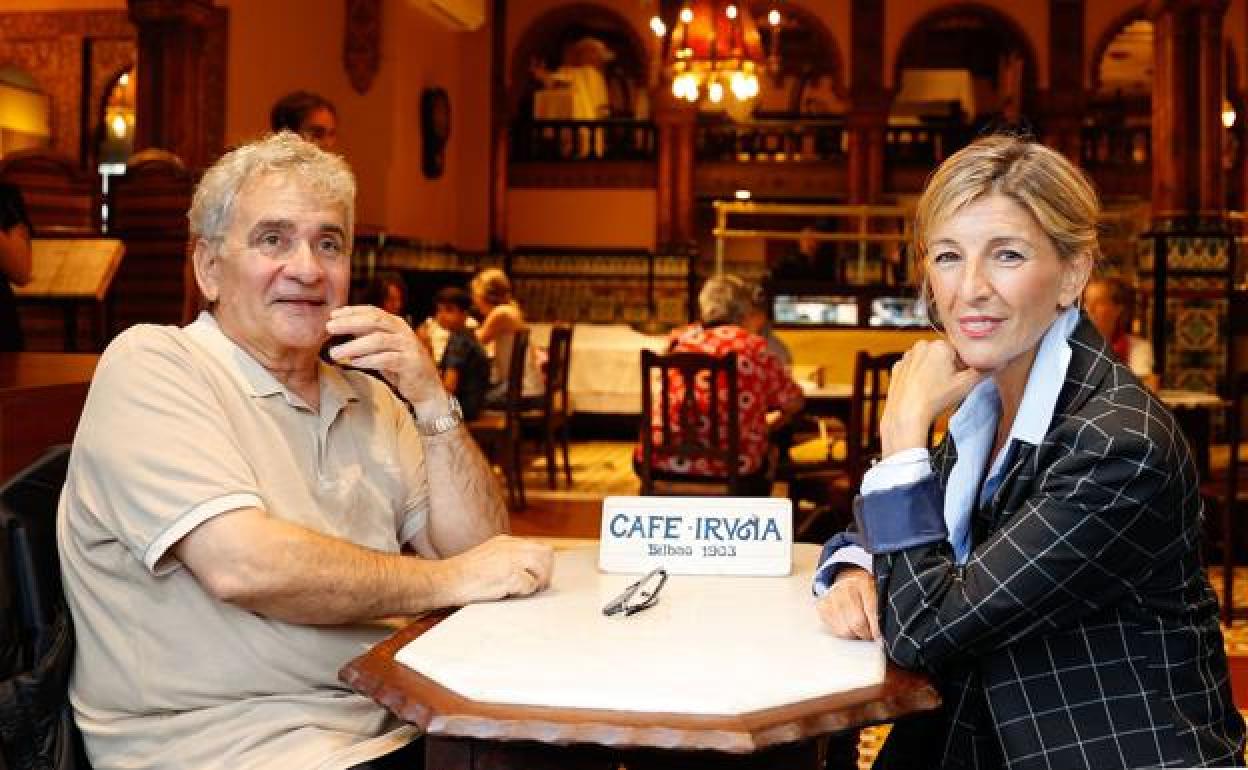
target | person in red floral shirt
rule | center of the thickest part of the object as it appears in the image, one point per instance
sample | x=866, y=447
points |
x=767, y=395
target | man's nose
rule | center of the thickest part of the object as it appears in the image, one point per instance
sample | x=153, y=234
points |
x=304, y=264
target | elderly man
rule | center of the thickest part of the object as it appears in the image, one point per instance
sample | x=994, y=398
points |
x=232, y=524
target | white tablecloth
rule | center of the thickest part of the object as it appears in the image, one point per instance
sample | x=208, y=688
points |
x=605, y=375
x=712, y=645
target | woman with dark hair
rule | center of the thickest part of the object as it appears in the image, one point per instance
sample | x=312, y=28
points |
x=387, y=291
x=15, y=263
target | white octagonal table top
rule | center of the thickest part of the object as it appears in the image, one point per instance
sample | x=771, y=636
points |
x=712, y=645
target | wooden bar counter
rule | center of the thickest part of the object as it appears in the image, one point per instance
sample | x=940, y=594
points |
x=41, y=398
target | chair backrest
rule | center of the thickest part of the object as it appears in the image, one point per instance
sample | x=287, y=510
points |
x=515, y=377
x=60, y=199
x=558, y=364
x=694, y=424
x=36, y=723
x=1234, y=434
x=871, y=379
x=147, y=210
x=28, y=513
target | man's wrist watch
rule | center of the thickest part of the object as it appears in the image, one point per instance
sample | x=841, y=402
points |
x=439, y=425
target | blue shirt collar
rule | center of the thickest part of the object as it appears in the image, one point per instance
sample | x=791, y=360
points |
x=982, y=405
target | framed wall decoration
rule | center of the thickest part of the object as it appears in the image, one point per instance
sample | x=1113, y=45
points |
x=435, y=130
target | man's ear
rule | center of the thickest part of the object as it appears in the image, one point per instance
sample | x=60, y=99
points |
x=207, y=261
x=1075, y=274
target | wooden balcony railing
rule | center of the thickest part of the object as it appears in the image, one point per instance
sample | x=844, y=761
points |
x=765, y=141
x=572, y=141
x=1116, y=146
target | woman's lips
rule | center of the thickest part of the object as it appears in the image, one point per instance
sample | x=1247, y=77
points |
x=977, y=327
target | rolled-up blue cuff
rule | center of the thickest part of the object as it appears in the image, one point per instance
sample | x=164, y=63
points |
x=829, y=562
x=902, y=517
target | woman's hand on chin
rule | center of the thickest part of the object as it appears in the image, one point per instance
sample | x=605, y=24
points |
x=926, y=382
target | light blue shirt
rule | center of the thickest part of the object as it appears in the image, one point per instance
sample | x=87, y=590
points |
x=972, y=428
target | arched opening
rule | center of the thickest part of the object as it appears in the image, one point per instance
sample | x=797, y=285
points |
x=966, y=64
x=25, y=112
x=576, y=36
x=1117, y=133
x=808, y=77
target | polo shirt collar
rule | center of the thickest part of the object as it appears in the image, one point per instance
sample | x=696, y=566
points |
x=259, y=382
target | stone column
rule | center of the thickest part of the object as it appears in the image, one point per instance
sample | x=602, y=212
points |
x=1062, y=107
x=1187, y=259
x=676, y=122
x=869, y=102
x=1187, y=106
x=171, y=96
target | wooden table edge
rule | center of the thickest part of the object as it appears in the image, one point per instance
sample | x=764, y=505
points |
x=443, y=712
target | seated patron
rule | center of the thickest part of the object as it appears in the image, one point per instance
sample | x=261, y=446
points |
x=16, y=263
x=1042, y=563
x=309, y=115
x=239, y=515
x=387, y=291
x=1108, y=301
x=758, y=321
x=501, y=318
x=464, y=365
x=768, y=397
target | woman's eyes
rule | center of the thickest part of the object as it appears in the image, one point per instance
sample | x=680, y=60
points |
x=1005, y=256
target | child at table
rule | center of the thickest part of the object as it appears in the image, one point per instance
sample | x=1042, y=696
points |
x=464, y=365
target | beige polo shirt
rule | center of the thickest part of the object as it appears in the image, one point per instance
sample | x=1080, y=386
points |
x=181, y=425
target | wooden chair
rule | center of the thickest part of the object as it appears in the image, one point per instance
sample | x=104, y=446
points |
x=60, y=199
x=550, y=423
x=35, y=625
x=498, y=430
x=147, y=211
x=670, y=388
x=830, y=486
x=1226, y=492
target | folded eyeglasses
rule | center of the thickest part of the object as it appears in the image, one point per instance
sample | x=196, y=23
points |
x=640, y=595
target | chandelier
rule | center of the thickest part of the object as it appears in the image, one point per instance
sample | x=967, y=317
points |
x=715, y=50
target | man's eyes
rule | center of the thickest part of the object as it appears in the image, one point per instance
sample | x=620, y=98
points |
x=331, y=246
x=277, y=242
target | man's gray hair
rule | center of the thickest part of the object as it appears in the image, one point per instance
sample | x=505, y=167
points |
x=724, y=299
x=325, y=174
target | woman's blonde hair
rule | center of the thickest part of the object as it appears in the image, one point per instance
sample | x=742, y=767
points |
x=1047, y=185
x=493, y=285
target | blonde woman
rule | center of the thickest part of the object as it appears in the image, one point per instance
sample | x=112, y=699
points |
x=501, y=318
x=1042, y=563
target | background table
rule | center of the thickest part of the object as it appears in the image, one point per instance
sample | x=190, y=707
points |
x=472, y=732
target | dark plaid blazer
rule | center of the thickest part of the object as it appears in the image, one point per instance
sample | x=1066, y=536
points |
x=1082, y=631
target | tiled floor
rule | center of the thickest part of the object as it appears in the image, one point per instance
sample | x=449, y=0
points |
x=602, y=468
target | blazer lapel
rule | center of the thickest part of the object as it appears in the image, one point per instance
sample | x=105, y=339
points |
x=1090, y=363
